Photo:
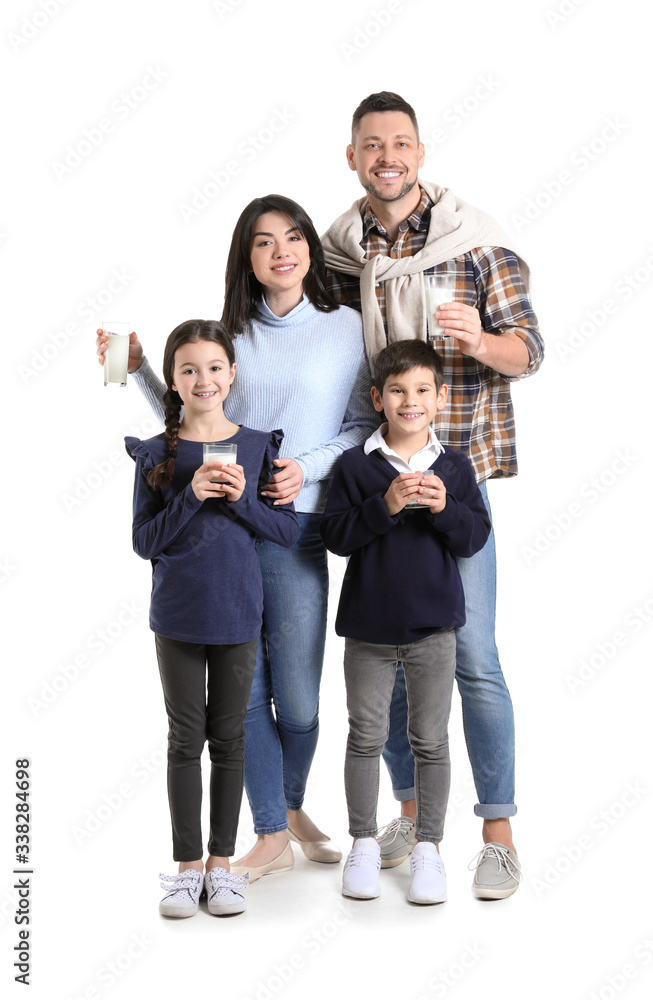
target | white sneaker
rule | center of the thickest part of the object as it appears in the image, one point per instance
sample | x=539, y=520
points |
x=183, y=895
x=360, y=877
x=225, y=892
x=429, y=882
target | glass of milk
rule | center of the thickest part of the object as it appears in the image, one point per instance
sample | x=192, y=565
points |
x=439, y=288
x=220, y=451
x=116, y=356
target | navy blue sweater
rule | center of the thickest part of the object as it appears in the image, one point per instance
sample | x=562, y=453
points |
x=206, y=576
x=401, y=582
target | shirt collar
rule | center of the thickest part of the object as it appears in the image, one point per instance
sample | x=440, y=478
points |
x=377, y=442
x=418, y=220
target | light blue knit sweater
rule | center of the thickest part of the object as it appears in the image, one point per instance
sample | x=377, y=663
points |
x=306, y=373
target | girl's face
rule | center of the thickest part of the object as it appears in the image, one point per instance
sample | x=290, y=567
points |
x=279, y=253
x=202, y=375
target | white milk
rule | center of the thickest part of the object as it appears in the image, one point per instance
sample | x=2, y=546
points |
x=116, y=358
x=436, y=297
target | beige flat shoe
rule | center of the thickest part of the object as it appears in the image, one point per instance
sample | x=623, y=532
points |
x=283, y=863
x=318, y=850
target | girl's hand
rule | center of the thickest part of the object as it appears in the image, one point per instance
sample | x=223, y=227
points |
x=433, y=493
x=232, y=488
x=135, y=350
x=284, y=486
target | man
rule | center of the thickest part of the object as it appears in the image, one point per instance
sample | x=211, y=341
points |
x=377, y=254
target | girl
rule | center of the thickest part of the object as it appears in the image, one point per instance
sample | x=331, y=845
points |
x=305, y=369
x=206, y=599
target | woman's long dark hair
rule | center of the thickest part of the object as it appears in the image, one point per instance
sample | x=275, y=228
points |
x=243, y=289
x=190, y=332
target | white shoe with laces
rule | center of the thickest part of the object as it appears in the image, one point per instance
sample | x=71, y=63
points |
x=428, y=883
x=497, y=872
x=225, y=892
x=360, y=877
x=183, y=895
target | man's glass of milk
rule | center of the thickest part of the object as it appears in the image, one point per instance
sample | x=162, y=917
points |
x=439, y=288
x=219, y=451
x=116, y=356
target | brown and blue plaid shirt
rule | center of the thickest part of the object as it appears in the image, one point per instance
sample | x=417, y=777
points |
x=478, y=418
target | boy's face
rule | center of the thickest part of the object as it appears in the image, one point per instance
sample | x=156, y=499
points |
x=411, y=402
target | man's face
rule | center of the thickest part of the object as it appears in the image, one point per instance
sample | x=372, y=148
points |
x=386, y=155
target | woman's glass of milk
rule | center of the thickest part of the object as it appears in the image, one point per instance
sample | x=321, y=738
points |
x=116, y=356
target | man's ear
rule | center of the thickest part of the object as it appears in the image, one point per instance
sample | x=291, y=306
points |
x=351, y=157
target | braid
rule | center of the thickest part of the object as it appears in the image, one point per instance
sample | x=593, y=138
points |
x=162, y=473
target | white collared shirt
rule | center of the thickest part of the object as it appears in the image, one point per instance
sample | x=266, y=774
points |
x=419, y=462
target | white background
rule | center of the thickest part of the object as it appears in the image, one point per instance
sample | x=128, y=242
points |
x=533, y=90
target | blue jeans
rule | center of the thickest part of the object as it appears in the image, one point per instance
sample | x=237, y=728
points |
x=487, y=708
x=280, y=744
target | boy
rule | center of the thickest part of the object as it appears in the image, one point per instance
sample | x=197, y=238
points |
x=401, y=600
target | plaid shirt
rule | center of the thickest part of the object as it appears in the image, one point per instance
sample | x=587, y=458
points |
x=478, y=418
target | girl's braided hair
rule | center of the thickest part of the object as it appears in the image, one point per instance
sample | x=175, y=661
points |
x=192, y=331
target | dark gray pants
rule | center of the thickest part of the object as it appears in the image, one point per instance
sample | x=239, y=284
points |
x=205, y=689
x=370, y=669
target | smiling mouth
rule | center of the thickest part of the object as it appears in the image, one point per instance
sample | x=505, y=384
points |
x=410, y=416
x=205, y=395
x=284, y=268
x=388, y=175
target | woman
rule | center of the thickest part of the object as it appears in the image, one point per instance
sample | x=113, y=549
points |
x=305, y=371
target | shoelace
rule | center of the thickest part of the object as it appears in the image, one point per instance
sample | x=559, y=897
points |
x=182, y=882
x=403, y=824
x=360, y=859
x=427, y=864
x=502, y=857
x=226, y=883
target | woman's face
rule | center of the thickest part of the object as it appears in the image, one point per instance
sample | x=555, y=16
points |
x=279, y=253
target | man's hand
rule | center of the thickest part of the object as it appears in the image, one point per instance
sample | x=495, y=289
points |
x=284, y=486
x=135, y=350
x=505, y=352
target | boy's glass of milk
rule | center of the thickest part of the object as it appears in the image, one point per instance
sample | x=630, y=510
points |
x=221, y=452
x=439, y=288
x=116, y=356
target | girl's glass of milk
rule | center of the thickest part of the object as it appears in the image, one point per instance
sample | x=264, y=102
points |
x=116, y=356
x=439, y=288
x=220, y=451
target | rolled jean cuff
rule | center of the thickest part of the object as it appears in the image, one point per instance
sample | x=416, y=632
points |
x=362, y=834
x=494, y=812
x=262, y=830
x=404, y=794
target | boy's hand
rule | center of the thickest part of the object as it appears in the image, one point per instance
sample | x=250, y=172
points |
x=232, y=488
x=434, y=493
x=135, y=350
x=402, y=489
x=284, y=486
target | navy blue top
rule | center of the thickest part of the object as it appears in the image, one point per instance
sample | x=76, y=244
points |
x=206, y=576
x=401, y=583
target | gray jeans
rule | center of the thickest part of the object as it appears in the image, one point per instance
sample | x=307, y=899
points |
x=370, y=669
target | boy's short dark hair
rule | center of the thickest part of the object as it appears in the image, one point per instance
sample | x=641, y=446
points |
x=385, y=100
x=400, y=357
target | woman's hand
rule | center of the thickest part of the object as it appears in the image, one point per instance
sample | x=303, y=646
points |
x=135, y=350
x=284, y=486
x=232, y=488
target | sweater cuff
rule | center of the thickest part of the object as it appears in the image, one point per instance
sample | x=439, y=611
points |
x=449, y=517
x=377, y=516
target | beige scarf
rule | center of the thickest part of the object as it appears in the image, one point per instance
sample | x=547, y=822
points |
x=455, y=228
